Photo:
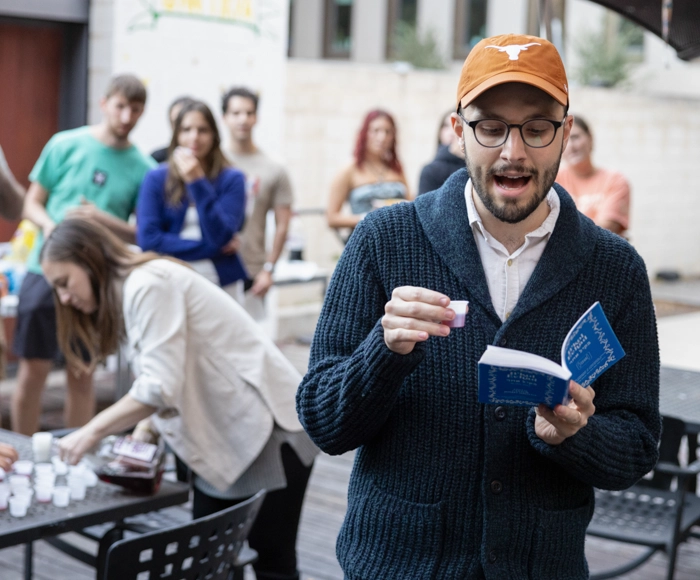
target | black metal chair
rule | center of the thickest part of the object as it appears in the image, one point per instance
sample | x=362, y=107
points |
x=205, y=548
x=657, y=512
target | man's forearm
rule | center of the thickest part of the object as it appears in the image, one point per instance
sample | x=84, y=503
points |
x=278, y=244
x=36, y=212
x=283, y=216
x=124, y=230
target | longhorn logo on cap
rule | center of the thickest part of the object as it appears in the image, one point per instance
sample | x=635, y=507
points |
x=513, y=50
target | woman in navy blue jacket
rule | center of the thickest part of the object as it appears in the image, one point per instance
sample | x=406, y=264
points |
x=192, y=206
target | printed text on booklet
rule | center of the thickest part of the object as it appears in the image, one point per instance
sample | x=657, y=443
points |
x=514, y=377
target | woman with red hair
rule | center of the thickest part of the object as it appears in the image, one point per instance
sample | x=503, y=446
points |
x=375, y=179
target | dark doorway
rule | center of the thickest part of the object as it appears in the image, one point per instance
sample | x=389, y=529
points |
x=43, y=67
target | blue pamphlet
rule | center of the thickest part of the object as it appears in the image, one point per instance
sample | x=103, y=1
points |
x=514, y=377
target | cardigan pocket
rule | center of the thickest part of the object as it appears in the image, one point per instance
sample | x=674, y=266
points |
x=384, y=536
x=558, y=547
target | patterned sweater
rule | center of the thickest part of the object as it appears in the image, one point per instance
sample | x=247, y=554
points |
x=446, y=487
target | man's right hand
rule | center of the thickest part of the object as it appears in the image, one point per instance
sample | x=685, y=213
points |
x=47, y=229
x=413, y=315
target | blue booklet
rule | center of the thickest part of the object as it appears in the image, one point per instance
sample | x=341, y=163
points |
x=514, y=377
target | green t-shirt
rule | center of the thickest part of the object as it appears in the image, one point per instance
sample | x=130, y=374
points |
x=74, y=166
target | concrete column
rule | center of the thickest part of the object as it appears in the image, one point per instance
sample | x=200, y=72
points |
x=307, y=28
x=438, y=16
x=506, y=16
x=369, y=29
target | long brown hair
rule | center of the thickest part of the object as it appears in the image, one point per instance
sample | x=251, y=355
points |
x=105, y=258
x=213, y=164
x=392, y=158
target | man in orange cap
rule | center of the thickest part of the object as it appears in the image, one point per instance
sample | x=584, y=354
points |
x=444, y=486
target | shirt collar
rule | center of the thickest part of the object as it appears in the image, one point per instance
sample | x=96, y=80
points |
x=544, y=230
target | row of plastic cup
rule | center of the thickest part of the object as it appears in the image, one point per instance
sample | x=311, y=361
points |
x=18, y=492
x=20, y=498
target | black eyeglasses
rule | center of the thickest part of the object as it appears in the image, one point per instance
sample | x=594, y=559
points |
x=536, y=133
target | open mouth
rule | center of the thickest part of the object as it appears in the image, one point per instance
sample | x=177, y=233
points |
x=512, y=181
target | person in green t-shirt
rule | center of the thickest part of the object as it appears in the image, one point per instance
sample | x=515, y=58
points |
x=92, y=172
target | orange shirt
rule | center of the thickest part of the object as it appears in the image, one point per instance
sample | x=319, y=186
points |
x=603, y=196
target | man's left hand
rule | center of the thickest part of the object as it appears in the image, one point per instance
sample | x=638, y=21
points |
x=86, y=211
x=261, y=283
x=553, y=426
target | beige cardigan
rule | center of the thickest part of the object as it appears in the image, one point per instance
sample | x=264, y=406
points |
x=218, y=381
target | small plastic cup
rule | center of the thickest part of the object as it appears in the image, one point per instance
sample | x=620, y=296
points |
x=90, y=478
x=18, y=506
x=41, y=446
x=26, y=494
x=59, y=467
x=77, y=489
x=45, y=479
x=18, y=482
x=23, y=467
x=44, y=493
x=61, y=495
x=4, y=496
x=460, y=308
x=76, y=470
x=42, y=468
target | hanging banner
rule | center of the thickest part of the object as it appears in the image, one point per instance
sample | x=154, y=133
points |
x=249, y=14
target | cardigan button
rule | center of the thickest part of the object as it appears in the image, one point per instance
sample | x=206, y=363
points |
x=496, y=487
x=503, y=342
x=492, y=556
x=500, y=413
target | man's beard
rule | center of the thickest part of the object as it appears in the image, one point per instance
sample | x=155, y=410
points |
x=512, y=211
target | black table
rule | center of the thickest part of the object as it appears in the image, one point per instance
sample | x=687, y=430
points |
x=103, y=503
x=680, y=397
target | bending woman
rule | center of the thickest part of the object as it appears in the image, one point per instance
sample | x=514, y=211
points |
x=219, y=391
x=374, y=179
x=192, y=207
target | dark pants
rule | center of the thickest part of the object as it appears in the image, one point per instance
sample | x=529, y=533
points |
x=274, y=534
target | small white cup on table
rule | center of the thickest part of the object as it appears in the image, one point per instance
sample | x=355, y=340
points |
x=18, y=506
x=61, y=496
x=41, y=446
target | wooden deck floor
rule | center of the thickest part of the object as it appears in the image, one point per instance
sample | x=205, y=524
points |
x=322, y=517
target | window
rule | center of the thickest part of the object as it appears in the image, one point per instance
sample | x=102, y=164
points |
x=632, y=36
x=470, y=25
x=338, y=37
x=401, y=13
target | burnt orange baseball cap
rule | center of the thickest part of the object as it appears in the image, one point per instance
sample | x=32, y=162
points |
x=513, y=58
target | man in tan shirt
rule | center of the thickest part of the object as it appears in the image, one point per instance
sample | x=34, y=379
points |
x=267, y=188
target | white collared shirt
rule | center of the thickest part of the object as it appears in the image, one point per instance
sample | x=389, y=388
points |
x=508, y=274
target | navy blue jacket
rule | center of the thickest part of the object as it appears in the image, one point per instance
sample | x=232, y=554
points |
x=221, y=208
x=446, y=487
x=433, y=175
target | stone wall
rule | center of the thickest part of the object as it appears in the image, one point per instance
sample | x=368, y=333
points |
x=652, y=139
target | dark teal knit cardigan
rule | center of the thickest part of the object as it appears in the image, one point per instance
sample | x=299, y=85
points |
x=446, y=487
